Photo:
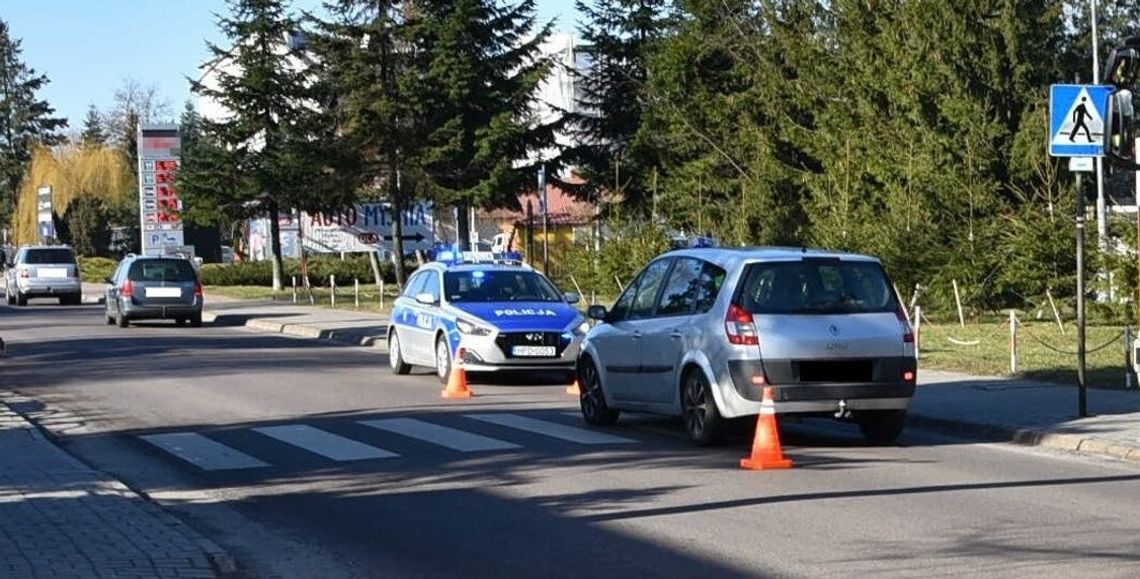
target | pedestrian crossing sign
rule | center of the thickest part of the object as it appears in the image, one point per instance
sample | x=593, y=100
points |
x=1077, y=119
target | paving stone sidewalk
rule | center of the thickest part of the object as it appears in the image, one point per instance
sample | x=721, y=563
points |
x=62, y=519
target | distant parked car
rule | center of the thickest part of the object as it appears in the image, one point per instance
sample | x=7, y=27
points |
x=700, y=333
x=43, y=271
x=154, y=288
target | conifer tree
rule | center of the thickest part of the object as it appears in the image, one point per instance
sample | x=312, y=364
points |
x=368, y=56
x=94, y=135
x=264, y=157
x=24, y=119
x=618, y=36
x=480, y=63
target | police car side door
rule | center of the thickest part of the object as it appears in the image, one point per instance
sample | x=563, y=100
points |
x=404, y=317
x=426, y=317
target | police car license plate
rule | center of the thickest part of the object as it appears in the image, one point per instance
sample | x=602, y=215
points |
x=533, y=351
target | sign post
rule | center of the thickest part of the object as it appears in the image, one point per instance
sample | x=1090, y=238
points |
x=160, y=210
x=44, y=222
x=1077, y=128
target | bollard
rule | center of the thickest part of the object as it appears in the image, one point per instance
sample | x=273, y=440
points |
x=1012, y=342
x=917, y=330
x=294, y=289
x=332, y=290
x=1128, y=357
x=356, y=293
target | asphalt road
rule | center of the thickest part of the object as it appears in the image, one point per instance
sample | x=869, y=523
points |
x=308, y=459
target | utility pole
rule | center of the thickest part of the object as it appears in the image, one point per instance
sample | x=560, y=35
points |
x=1101, y=204
x=545, y=220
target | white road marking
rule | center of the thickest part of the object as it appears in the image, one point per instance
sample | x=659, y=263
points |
x=326, y=444
x=551, y=429
x=203, y=452
x=441, y=435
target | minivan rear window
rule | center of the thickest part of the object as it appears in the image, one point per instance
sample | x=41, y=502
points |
x=816, y=286
x=162, y=270
x=52, y=255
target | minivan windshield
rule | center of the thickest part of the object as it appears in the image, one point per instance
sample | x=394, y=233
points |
x=816, y=286
x=498, y=286
x=162, y=270
x=49, y=255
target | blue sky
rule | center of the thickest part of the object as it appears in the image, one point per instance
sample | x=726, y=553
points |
x=88, y=47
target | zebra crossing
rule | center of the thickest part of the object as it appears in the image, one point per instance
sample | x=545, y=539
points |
x=209, y=454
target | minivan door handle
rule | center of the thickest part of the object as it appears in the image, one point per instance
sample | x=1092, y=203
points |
x=676, y=334
x=636, y=335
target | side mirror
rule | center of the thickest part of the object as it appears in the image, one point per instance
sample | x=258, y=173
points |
x=1121, y=70
x=109, y=281
x=425, y=299
x=571, y=297
x=596, y=312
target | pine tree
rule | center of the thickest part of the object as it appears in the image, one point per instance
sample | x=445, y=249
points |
x=24, y=120
x=93, y=133
x=265, y=150
x=618, y=36
x=367, y=57
x=481, y=65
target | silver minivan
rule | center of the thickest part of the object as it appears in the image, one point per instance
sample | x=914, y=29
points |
x=43, y=271
x=699, y=333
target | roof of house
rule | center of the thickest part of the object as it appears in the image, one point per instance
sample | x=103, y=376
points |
x=564, y=209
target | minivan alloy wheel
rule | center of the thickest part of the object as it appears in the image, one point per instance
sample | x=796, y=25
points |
x=592, y=400
x=703, y=421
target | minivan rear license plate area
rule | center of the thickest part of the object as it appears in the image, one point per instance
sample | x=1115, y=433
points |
x=832, y=371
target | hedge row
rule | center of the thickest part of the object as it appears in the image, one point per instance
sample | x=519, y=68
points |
x=260, y=273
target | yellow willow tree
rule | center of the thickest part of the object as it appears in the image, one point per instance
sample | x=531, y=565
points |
x=73, y=172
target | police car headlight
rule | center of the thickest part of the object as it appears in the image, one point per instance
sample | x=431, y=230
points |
x=582, y=328
x=466, y=327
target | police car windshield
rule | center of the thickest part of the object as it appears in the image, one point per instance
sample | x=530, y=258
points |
x=498, y=286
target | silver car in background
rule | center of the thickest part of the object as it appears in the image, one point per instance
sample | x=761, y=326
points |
x=43, y=271
x=700, y=332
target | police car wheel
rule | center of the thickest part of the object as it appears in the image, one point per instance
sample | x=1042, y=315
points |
x=592, y=401
x=395, y=356
x=442, y=360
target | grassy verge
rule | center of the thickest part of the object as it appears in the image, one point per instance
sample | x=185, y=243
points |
x=980, y=348
x=1044, y=352
x=368, y=299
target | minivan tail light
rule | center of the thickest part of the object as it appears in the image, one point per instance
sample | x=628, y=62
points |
x=128, y=288
x=908, y=333
x=739, y=327
x=198, y=289
x=25, y=273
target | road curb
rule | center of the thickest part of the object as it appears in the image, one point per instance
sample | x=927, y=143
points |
x=348, y=337
x=1075, y=443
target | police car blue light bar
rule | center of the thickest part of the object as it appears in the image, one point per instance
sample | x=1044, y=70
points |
x=458, y=257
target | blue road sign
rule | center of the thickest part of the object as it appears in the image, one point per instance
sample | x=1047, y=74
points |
x=1076, y=119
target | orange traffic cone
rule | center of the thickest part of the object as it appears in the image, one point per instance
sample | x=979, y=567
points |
x=457, y=380
x=573, y=389
x=766, y=452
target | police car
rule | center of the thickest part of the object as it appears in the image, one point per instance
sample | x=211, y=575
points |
x=502, y=315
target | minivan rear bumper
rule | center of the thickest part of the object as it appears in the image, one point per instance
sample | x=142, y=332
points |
x=38, y=287
x=887, y=382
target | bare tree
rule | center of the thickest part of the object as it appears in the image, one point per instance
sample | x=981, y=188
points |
x=134, y=103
